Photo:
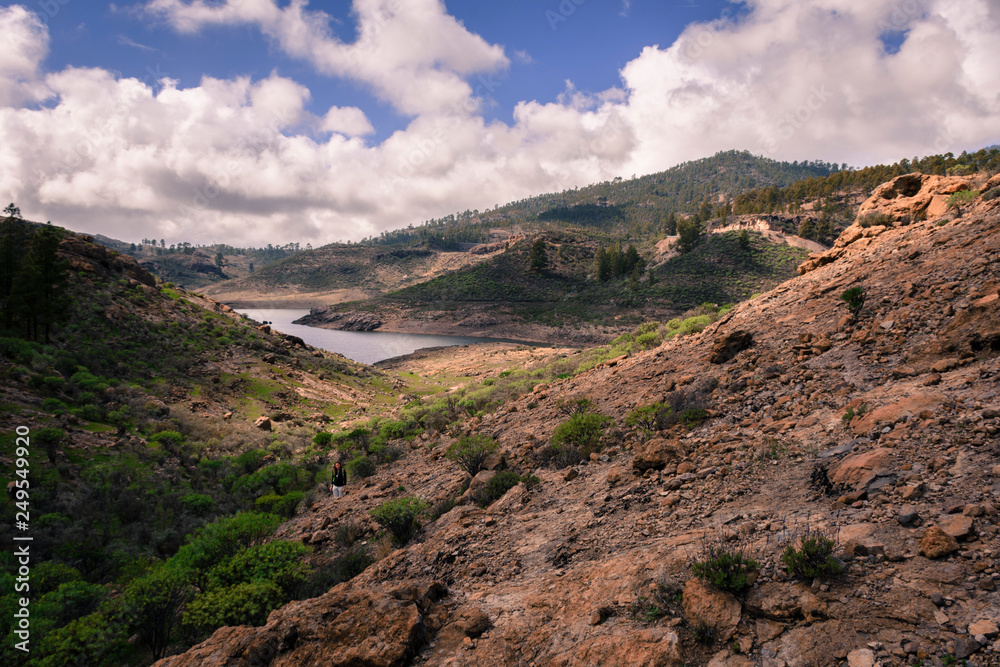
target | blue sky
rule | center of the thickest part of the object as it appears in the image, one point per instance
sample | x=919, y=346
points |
x=255, y=121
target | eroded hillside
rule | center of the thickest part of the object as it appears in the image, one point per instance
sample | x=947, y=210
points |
x=878, y=431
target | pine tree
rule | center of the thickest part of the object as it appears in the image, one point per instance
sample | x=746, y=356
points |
x=40, y=284
x=807, y=229
x=538, y=259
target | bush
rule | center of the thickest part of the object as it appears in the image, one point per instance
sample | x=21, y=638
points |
x=281, y=505
x=560, y=456
x=652, y=417
x=693, y=417
x=960, y=199
x=875, y=220
x=361, y=467
x=401, y=517
x=725, y=568
x=814, y=557
x=499, y=484
x=854, y=297
x=583, y=431
x=198, y=503
x=471, y=452
x=323, y=438
x=348, y=533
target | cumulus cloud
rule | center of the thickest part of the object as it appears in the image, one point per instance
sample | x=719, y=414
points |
x=243, y=160
x=27, y=43
x=413, y=53
x=799, y=79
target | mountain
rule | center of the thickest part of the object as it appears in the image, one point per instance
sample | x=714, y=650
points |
x=179, y=456
x=845, y=464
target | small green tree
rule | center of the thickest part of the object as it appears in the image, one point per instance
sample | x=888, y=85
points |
x=153, y=602
x=961, y=199
x=538, y=259
x=688, y=232
x=401, y=517
x=807, y=229
x=854, y=297
x=471, y=452
x=725, y=568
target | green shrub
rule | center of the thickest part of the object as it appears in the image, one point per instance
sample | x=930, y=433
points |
x=499, y=484
x=401, y=517
x=728, y=569
x=693, y=417
x=652, y=417
x=248, y=603
x=814, y=557
x=854, y=297
x=54, y=405
x=960, y=199
x=361, y=467
x=582, y=431
x=198, y=503
x=323, y=438
x=875, y=219
x=471, y=451
x=281, y=505
x=348, y=533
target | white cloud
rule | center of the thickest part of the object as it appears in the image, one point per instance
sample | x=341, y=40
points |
x=243, y=161
x=812, y=80
x=27, y=44
x=349, y=121
x=412, y=53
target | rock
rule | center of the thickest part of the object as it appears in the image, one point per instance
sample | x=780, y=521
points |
x=936, y=543
x=985, y=627
x=655, y=454
x=854, y=468
x=725, y=658
x=965, y=646
x=379, y=625
x=958, y=526
x=862, y=657
x=571, y=474
x=907, y=515
x=944, y=365
x=729, y=346
x=263, y=423
x=656, y=647
x=706, y=605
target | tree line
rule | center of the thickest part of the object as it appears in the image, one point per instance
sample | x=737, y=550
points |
x=33, y=278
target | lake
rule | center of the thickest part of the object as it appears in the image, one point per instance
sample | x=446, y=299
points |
x=364, y=346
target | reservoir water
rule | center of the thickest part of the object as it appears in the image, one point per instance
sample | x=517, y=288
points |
x=364, y=346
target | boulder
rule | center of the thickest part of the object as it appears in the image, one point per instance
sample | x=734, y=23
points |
x=263, y=423
x=936, y=543
x=655, y=454
x=729, y=346
x=704, y=604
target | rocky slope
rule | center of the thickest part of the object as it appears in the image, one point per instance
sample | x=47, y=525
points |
x=593, y=564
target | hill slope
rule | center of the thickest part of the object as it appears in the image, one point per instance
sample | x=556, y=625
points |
x=878, y=432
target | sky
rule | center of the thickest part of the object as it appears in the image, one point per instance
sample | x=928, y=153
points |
x=251, y=122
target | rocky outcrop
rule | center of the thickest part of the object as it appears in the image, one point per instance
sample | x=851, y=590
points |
x=345, y=321
x=383, y=627
x=901, y=201
x=84, y=255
